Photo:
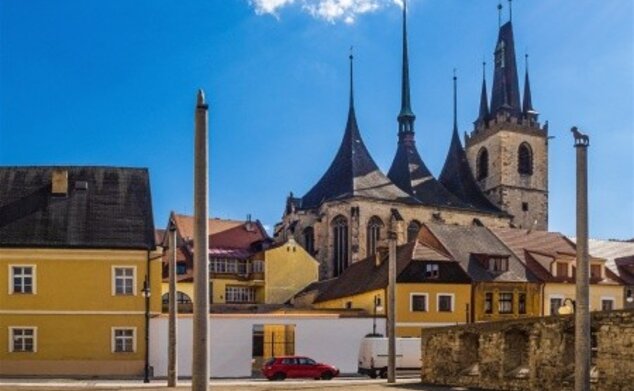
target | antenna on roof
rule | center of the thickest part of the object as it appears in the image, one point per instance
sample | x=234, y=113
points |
x=500, y=14
x=511, y=10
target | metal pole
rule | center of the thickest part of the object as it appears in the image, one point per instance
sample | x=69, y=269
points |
x=146, y=293
x=172, y=364
x=200, y=357
x=582, y=310
x=391, y=309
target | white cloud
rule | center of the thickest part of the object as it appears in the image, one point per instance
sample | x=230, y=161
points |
x=329, y=10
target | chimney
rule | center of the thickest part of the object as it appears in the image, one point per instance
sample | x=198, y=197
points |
x=59, y=182
x=380, y=254
x=249, y=225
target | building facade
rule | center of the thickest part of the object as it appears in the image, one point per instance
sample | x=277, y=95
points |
x=78, y=264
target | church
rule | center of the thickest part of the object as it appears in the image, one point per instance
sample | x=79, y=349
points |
x=498, y=179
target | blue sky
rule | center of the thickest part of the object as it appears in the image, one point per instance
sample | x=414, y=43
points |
x=114, y=82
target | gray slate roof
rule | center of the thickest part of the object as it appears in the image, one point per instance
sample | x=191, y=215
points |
x=114, y=211
x=463, y=242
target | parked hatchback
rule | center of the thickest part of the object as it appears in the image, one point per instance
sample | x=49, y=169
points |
x=279, y=368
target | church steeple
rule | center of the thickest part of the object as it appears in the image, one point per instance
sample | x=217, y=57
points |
x=352, y=118
x=483, y=115
x=406, y=117
x=527, y=108
x=505, y=96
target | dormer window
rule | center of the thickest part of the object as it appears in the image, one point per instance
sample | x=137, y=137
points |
x=498, y=264
x=561, y=269
x=595, y=271
x=431, y=270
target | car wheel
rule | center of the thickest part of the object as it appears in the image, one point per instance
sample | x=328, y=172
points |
x=279, y=376
x=326, y=376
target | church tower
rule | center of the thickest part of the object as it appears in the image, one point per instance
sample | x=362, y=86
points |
x=508, y=148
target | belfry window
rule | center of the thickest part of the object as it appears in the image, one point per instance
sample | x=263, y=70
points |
x=482, y=166
x=309, y=240
x=340, y=245
x=525, y=159
x=373, y=234
x=412, y=230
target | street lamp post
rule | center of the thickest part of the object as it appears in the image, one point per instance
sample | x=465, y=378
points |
x=146, y=294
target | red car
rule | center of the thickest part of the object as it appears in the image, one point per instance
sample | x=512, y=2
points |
x=279, y=368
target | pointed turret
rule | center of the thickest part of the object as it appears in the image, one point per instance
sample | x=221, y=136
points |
x=505, y=95
x=456, y=175
x=406, y=117
x=353, y=172
x=408, y=170
x=527, y=108
x=483, y=114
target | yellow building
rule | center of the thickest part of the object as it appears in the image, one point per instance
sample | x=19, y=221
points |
x=431, y=289
x=76, y=249
x=245, y=266
x=552, y=258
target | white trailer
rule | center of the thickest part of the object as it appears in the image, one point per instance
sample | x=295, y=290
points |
x=373, y=355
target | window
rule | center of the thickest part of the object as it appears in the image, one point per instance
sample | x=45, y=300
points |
x=181, y=268
x=181, y=298
x=22, y=279
x=482, y=166
x=431, y=270
x=124, y=280
x=525, y=206
x=373, y=234
x=23, y=339
x=306, y=361
x=445, y=303
x=239, y=294
x=124, y=340
x=488, y=303
x=418, y=302
x=340, y=244
x=521, y=303
x=525, y=159
x=289, y=361
x=607, y=304
x=258, y=266
x=412, y=230
x=505, y=303
x=555, y=304
x=309, y=240
x=498, y=265
x=348, y=305
x=595, y=271
x=562, y=269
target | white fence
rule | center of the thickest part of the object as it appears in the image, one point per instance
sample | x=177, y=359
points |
x=325, y=338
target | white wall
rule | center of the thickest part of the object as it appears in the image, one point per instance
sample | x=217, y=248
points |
x=328, y=339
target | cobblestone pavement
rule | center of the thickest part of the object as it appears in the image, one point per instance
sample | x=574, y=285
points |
x=352, y=383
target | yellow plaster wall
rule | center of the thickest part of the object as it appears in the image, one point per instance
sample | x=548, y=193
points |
x=363, y=301
x=288, y=269
x=597, y=292
x=78, y=280
x=185, y=287
x=533, y=299
x=218, y=286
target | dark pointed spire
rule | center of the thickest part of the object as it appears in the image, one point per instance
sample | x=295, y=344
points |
x=505, y=95
x=406, y=117
x=483, y=115
x=456, y=175
x=455, y=104
x=510, y=10
x=527, y=108
x=353, y=172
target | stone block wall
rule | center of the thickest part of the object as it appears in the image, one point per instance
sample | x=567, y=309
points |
x=533, y=354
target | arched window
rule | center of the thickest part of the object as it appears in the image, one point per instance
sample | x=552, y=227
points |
x=309, y=240
x=340, y=245
x=412, y=230
x=374, y=234
x=482, y=166
x=181, y=298
x=525, y=159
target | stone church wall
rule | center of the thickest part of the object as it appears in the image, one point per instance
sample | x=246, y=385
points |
x=533, y=354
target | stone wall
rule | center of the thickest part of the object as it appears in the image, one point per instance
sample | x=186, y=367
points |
x=358, y=212
x=533, y=354
x=504, y=186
